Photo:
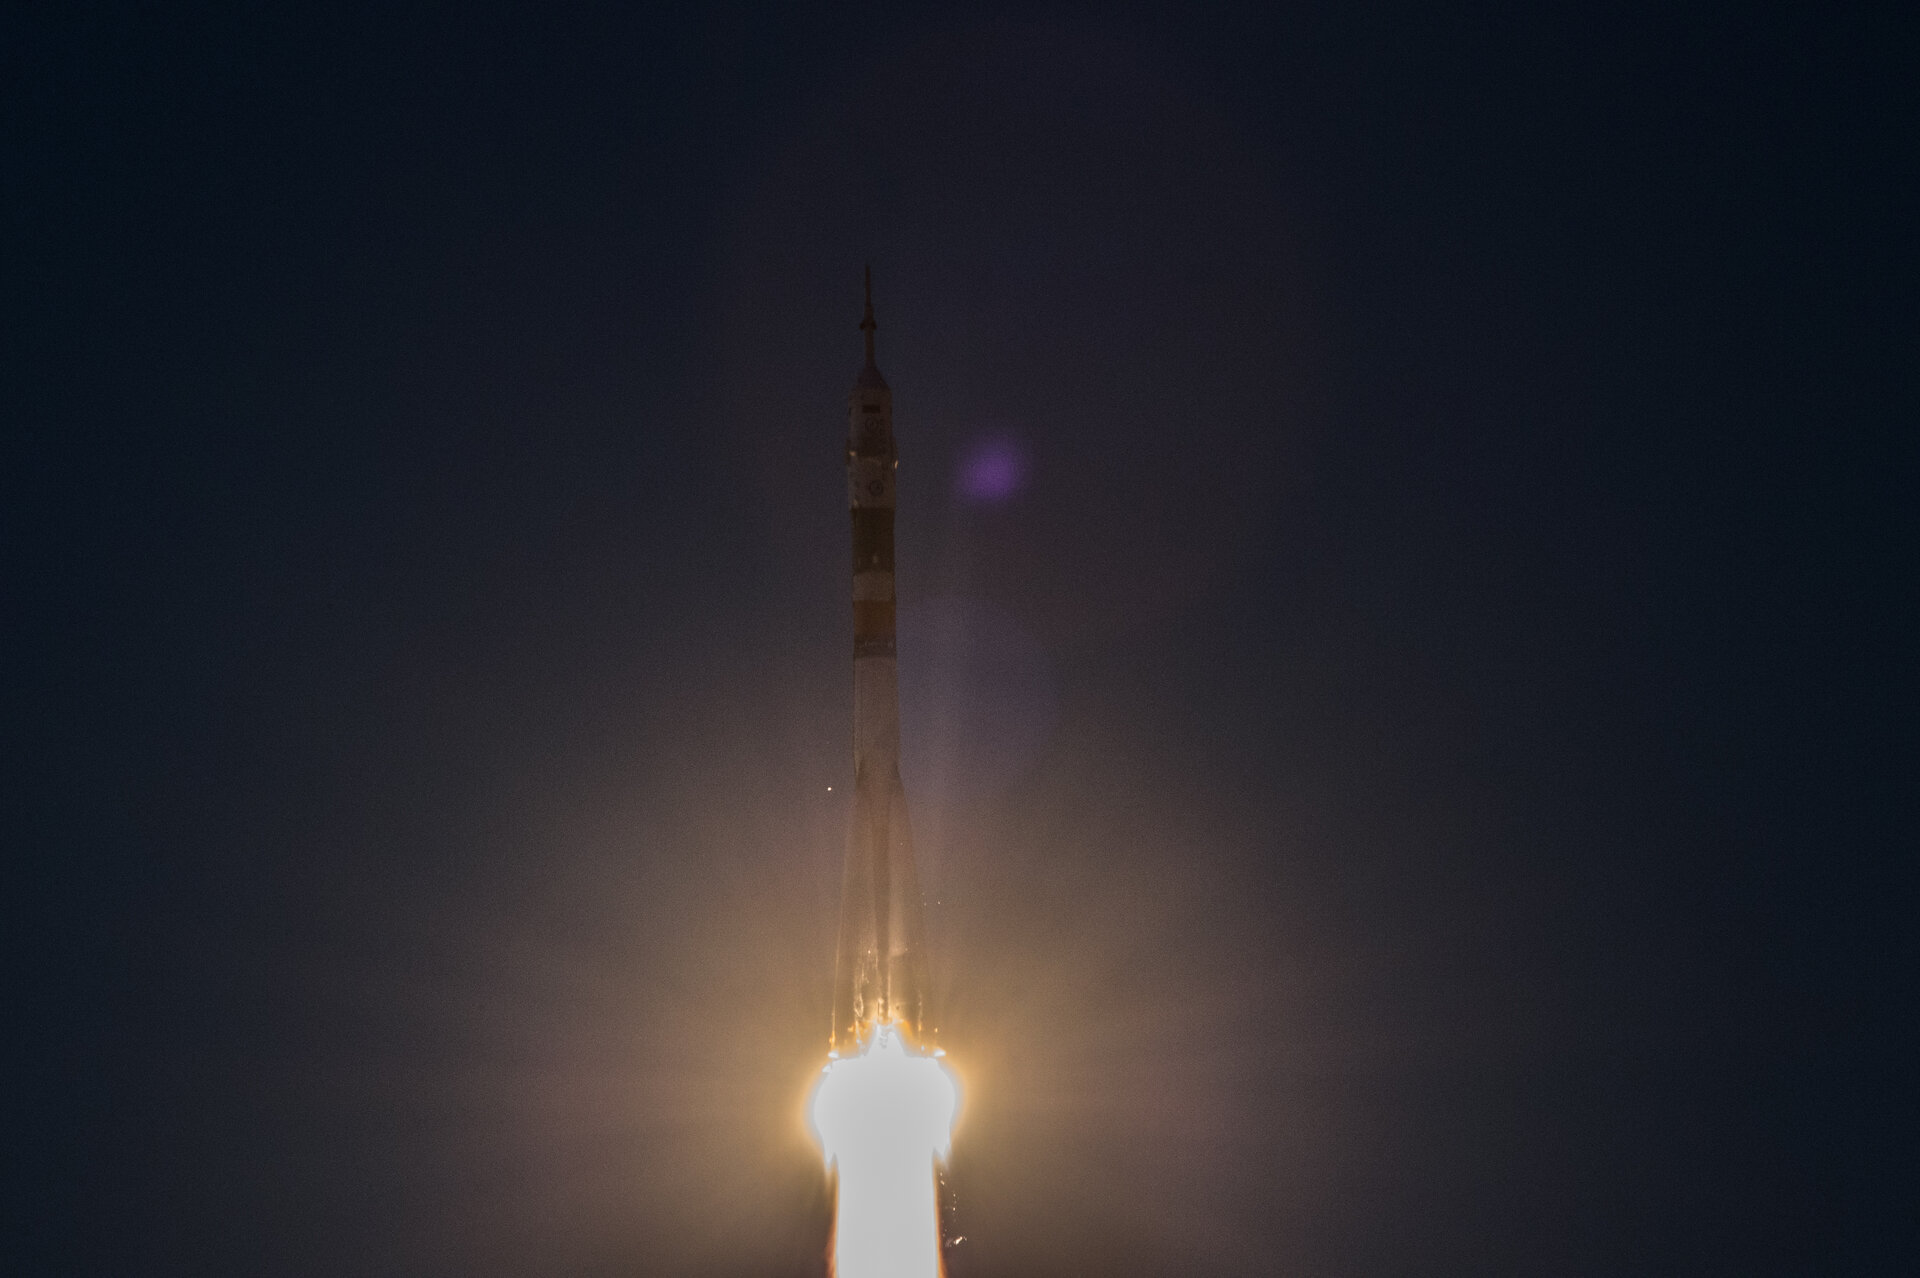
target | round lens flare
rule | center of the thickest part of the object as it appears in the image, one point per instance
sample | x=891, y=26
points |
x=993, y=469
x=882, y=1118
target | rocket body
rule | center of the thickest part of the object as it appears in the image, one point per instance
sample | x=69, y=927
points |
x=880, y=974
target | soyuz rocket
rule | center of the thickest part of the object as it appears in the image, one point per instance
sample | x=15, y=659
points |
x=880, y=974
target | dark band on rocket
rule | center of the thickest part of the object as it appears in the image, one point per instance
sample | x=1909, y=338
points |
x=873, y=552
x=872, y=539
x=872, y=629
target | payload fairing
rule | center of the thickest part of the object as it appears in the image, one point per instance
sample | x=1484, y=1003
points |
x=880, y=976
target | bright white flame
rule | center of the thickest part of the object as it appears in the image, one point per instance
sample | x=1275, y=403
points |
x=883, y=1117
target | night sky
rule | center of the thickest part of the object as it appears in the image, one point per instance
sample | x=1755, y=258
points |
x=1405, y=551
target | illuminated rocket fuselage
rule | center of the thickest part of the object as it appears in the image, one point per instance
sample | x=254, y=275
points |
x=880, y=976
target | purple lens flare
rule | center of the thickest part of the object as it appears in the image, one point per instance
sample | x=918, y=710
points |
x=992, y=469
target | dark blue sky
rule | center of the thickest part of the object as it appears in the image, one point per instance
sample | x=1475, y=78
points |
x=1412, y=779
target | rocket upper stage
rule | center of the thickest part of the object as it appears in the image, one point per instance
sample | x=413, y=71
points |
x=880, y=974
x=871, y=462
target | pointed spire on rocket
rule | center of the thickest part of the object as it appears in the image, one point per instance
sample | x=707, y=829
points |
x=866, y=323
x=870, y=375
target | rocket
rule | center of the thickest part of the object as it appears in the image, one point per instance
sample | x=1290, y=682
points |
x=880, y=974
